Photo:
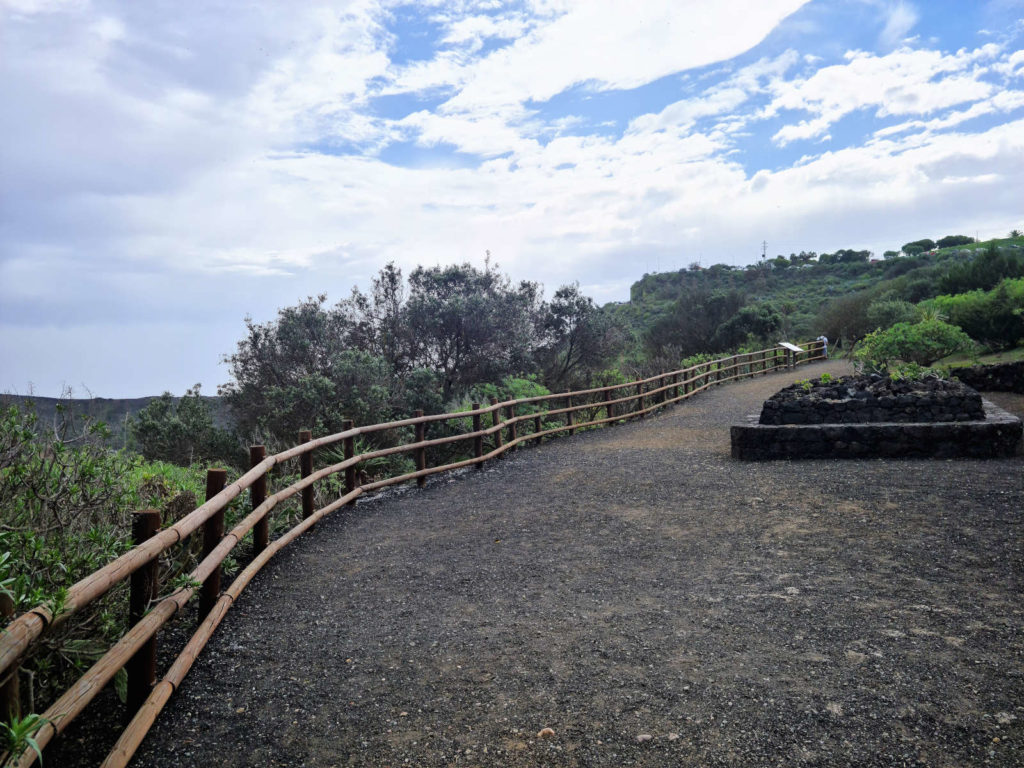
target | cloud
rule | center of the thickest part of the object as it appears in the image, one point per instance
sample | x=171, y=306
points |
x=901, y=83
x=611, y=44
x=157, y=167
x=900, y=19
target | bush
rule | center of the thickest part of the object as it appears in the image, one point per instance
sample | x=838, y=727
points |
x=994, y=318
x=886, y=313
x=922, y=343
x=983, y=273
x=65, y=511
x=183, y=432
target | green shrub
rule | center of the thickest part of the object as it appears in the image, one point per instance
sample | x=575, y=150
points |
x=995, y=318
x=182, y=432
x=922, y=343
x=886, y=313
x=65, y=511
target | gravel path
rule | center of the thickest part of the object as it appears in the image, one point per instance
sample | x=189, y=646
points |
x=647, y=598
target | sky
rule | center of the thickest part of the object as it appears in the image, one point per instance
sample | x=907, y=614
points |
x=169, y=168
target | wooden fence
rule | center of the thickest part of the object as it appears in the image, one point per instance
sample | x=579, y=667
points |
x=511, y=423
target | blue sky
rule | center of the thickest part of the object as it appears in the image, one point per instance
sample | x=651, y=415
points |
x=168, y=168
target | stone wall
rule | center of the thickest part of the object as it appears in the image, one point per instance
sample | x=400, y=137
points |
x=1000, y=377
x=997, y=435
x=854, y=401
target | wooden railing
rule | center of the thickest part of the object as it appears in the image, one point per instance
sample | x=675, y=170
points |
x=509, y=427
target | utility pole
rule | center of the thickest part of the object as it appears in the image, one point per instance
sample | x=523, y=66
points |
x=764, y=249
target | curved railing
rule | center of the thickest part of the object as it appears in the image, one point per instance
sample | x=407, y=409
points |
x=136, y=650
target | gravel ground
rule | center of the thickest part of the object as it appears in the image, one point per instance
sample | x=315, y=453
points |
x=647, y=598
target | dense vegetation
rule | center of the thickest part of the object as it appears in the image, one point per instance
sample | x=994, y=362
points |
x=444, y=338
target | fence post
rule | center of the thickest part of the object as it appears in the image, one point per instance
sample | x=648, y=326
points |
x=421, y=453
x=510, y=414
x=609, y=407
x=640, y=399
x=349, y=448
x=258, y=494
x=213, y=532
x=10, y=693
x=305, y=470
x=495, y=421
x=570, y=416
x=141, y=667
x=675, y=386
x=537, y=426
x=478, y=441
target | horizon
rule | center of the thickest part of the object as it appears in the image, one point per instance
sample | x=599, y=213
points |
x=168, y=172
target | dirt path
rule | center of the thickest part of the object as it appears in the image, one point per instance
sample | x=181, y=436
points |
x=646, y=597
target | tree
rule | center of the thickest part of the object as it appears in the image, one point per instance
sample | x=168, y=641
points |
x=845, y=256
x=691, y=324
x=926, y=245
x=1016, y=233
x=469, y=325
x=281, y=372
x=377, y=322
x=890, y=255
x=577, y=338
x=846, y=317
x=950, y=241
x=182, y=432
x=912, y=249
x=754, y=322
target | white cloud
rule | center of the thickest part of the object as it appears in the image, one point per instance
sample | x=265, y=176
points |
x=900, y=19
x=613, y=44
x=901, y=83
x=718, y=100
x=155, y=166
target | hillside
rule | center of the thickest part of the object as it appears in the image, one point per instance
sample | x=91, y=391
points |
x=800, y=289
x=113, y=412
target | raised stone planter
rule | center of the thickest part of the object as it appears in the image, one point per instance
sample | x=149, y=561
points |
x=1000, y=377
x=859, y=417
x=863, y=399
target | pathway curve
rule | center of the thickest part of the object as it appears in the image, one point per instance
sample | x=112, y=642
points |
x=646, y=597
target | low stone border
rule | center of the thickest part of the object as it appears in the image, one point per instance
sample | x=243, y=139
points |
x=1000, y=377
x=997, y=435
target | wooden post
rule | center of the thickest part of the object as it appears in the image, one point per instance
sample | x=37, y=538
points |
x=213, y=532
x=305, y=470
x=478, y=441
x=258, y=494
x=537, y=426
x=421, y=453
x=495, y=421
x=640, y=399
x=510, y=413
x=141, y=667
x=570, y=416
x=609, y=407
x=349, y=447
x=10, y=693
x=675, y=386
